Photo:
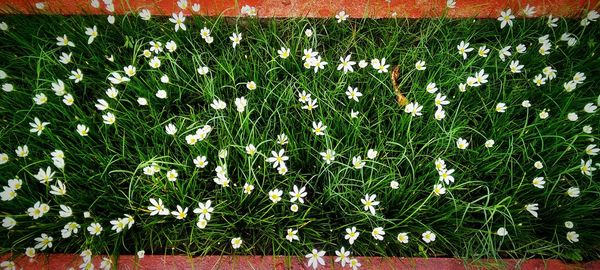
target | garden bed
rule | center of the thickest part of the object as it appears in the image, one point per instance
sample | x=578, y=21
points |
x=299, y=137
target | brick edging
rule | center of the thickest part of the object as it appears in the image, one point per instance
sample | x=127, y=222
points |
x=64, y=261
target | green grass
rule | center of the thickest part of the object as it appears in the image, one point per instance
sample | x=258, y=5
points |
x=104, y=171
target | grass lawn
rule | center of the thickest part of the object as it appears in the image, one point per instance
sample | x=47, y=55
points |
x=494, y=160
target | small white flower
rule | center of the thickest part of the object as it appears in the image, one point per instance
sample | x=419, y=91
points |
x=428, y=236
x=502, y=231
x=572, y=237
x=489, y=143
x=462, y=143
x=532, y=209
x=162, y=94
x=573, y=192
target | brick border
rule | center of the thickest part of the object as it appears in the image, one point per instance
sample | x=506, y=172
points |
x=312, y=8
x=152, y=262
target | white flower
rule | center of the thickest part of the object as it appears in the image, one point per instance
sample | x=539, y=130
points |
x=59, y=189
x=248, y=11
x=462, y=143
x=463, y=49
x=572, y=237
x=351, y=235
x=538, y=182
x=8, y=222
x=353, y=114
x=420, y=65
x=37, y=126
x=369, y=202
x=439, y=113
x=68, y=99
x=483, y=51
x=3, y=26
x=451, y=4
x=275, y=195
x=362, y=64
x=501, y=107
x=592, y=150
x=154, y=62
x=95, y=228
x=200, y=161
x=171, y=129
x=587, y=129
x=538, y=165
x=7, y=87
x=515, y=67
x=283, y=52
x=353, y=93
x=203, y=70
x=218, y=104
x=298, y=194
x=40, y=99
x=282, y=139
x=43, y=242
x=178, y=19
x=235, y=38
x=241, y=104
x=590, y=108
x=380, y=65
x=438, y=189
x=162, y=94
x=378, y=233
x=318, y=128
x=76, y=75
x=521, y=48
x=572, y=116
x=181, y=213
x=308, y=32
x=204, y=210
x=502, y=231
x=489, y=143
x=549, y=72
x=292, y=235
x=157, y=207
x=328, y=156
x=64, y=41
x=552, y=21
x=431, y=88
x=394, y=184
x=172, y=175
x=92, y=33
x=346, y=64
x=414, y=109
x=109, y=118
x=539, y=80
x=315, y=258
x=573, y=192
x=446, y=176
x=440, y=164
x=44, y=176
x=65, y=211
x=278, y=159
x=371, y=154
x=506, y=18
x=544, y=114
x=83, y=130
x=504, y=52
x=529, y=11
x=248, y=188
x=112, y=92
x=357, y=162
x=145, y=14
x=250, y=149
x=545, y=48
x=22, y=151
x=532, y=209
x=579, y=77
x=428, y=236
x=341, y=16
